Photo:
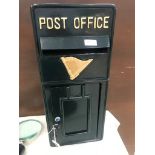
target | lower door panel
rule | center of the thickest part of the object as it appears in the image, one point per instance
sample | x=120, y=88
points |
x=77, y=106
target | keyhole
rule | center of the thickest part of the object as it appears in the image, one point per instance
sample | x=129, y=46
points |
x=57, y=119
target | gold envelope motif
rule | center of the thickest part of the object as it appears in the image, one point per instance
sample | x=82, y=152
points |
x=75, y=66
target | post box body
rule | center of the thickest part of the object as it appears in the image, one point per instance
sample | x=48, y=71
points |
x=78, y=32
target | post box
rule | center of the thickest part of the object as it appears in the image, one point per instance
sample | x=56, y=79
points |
x=74, y=45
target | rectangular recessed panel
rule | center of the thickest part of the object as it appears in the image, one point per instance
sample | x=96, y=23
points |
x=75, y=115
x=75, y=91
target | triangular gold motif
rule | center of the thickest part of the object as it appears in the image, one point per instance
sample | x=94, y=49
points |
x=75, y=66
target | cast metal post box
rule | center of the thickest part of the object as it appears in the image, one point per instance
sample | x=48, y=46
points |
x=74, y=45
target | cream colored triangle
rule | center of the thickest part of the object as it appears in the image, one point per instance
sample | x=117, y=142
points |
x=75, y=66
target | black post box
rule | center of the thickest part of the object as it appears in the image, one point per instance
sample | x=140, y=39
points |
x=74, y=45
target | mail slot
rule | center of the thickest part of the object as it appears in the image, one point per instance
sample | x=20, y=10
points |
x=74, y=45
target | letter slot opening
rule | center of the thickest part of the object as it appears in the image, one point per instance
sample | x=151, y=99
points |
x=78, y=44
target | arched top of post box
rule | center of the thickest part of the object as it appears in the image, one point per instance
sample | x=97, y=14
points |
x=73, y=28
